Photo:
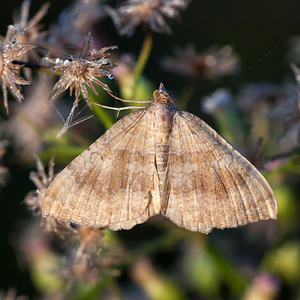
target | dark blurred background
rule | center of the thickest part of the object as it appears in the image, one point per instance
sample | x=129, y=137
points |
x=260, y=32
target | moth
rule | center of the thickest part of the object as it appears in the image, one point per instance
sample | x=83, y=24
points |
x=160, y=161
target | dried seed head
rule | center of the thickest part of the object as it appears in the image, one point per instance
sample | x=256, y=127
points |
x=81, y=71
x=153, y=14
x=28, y=31
x=10, y=50
x=74, y=22
x=34, y=199
x=215, y=62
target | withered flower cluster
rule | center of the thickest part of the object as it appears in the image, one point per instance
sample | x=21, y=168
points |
x=34, y=199
x=287, y=112
x=215, y=62
x=77, y=72
x=84, y=260
x=81, y=71
x=155, y=15
x=10, y=50
x=21, y=37
x=29, y=32
x=73, y=23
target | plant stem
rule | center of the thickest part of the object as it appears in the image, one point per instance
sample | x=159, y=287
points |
x=35, y=67
x=143, y=57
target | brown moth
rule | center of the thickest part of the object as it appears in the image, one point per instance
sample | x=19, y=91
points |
x=160, y=160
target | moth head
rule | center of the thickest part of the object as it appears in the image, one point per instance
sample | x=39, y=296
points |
x=161, y=96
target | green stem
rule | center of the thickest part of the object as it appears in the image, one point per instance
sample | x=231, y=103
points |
x=143, y=57
x=101, y=113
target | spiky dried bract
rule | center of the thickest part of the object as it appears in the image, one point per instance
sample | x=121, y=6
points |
x=81, y=71
x=34, y=199
x=10, y=50
x=28, y=31
x=160, y=160
x=155, y=15
x=215, y=62
x=30, y=28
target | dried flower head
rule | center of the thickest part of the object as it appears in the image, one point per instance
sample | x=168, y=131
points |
x=287, y=113
x=42, y=181
x=30, y=28
x=34, y=199
x=84, y=260
x=220, y=104
x=85, y=13
x=28, y=31
x=257, y=102
x=73, y=23
x=215, y=62
x=81, y=71
x=10, y=50
x=259, y=98
x=155, y=15
x=218, y=100
x=82, y=244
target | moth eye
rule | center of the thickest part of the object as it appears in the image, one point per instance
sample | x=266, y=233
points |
x=155, y=93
